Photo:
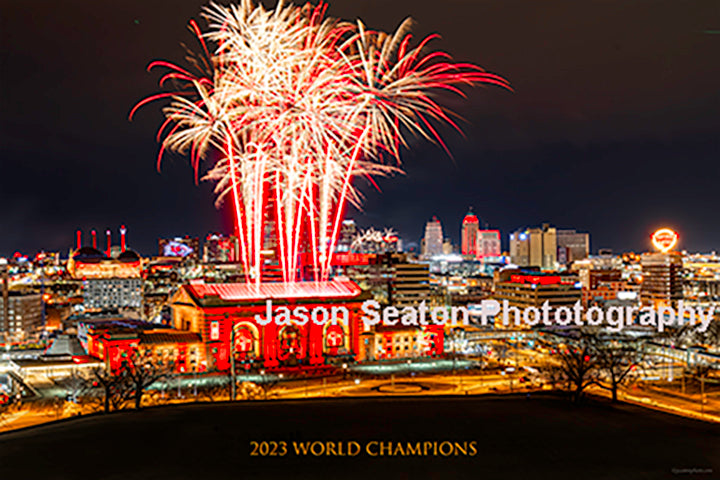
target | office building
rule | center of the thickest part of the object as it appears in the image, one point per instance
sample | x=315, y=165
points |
x=112, y=293
x=469, y=235
x=662, y=283
x=24, y=314
x=433, y=240
x=488, y=244
x=409, y=283
x=534, y=247
x=348, y=232
x=572, y=246
x=220, y=249
x=523, y=288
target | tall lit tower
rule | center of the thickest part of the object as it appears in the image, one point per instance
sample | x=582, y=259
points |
x=433, y=238
x=662, y=283
x=469, y=234
x=123, y=231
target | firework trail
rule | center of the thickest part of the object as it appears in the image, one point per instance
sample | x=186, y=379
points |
x=299, y=104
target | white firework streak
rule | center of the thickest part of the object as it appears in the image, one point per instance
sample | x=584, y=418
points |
x=299, y=105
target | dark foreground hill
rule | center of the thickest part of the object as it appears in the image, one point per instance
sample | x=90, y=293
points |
x=516, y=437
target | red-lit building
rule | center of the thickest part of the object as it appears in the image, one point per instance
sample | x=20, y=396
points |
x=402, y=342
x=89, y=263
x=469, y=234
x=114, y=340
x=298, y=332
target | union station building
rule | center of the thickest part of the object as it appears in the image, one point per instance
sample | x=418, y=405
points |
x=237, y=313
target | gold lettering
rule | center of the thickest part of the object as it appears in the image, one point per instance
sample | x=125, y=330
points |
x=414, y=450
x=313, y=449
x=460, y=447
x=473, y=448
x=448, y=453
x=367, y=449
x=398, y=448
x=300, y=448
x=426, y=447
x=330, y=448
x=387, y=446
x=350, y=448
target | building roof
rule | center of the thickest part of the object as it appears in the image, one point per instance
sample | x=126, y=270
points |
x=88, y=255
x=128, y=256
x=64, y=345
x=168, y=336
x=470, y=217
x=230, y=292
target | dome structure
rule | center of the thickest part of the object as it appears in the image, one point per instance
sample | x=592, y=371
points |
x=89, y=255
x=129, y=256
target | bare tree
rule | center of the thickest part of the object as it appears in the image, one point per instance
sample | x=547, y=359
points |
x=141, y=370
x=553, y=374
x=578, y=363
x=616, y=357
x=111, y=385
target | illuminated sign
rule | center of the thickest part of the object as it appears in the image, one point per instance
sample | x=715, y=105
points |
x=536, y=279
x=664, y=239
x=175, y=248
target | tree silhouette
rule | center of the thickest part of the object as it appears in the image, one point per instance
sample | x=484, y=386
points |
x=140, y=370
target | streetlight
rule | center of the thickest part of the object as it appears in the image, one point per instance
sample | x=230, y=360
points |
x=233, y=380
x=196, y=378
x=179, y=383
x=264, y=387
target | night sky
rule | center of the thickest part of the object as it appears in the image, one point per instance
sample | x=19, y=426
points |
x=612, y=128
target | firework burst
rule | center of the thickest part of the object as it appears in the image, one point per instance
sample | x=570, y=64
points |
x=299, y=104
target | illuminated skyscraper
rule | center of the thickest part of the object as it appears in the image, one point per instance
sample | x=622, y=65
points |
x=348, y=231
x=662, y=283
x=469, y=234
x=220, y=249
x=534, y=247
x=574, y=245
x=433, y=238
x=488, y=242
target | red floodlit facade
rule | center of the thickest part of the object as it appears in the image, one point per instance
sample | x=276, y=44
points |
x=398, y=342
x=470, y=228
x=220, y=312
x=113, y=343
x=536, y=279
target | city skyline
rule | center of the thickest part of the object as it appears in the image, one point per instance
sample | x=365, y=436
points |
x=476, y=223
x=582, y=143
